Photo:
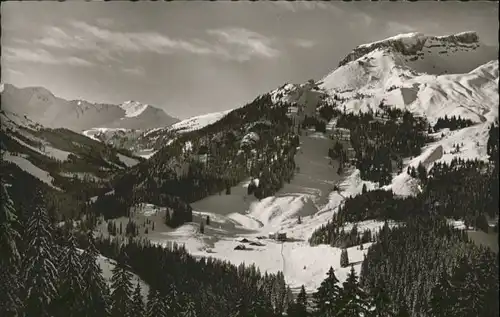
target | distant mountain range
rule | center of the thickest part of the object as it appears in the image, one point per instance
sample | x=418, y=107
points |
x=431, y=76
x=42, y=106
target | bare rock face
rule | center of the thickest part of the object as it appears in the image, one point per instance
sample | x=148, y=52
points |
x=464, y=37
x=409, y=44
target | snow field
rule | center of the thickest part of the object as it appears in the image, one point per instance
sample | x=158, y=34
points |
x=30, y=168
x=194, y=123
x=128, y=161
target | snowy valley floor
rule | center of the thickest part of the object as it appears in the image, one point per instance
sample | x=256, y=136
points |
x=238, y=215
x=310, y=195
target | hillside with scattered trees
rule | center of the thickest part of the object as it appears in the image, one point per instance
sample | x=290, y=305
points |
x=423, y=266
x=382, y=139
x=254, y=141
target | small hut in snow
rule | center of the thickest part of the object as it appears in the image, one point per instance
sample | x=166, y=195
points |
x=280, y=236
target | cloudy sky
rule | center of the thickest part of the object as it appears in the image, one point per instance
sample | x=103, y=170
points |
x=191, y=58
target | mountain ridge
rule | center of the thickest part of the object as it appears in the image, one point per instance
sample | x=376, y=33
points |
x=410, y=43
x=59, y=162
x=431, y=76
x=41, y=105
x=442, y=73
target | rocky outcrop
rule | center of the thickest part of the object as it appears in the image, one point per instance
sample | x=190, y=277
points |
x=409, y=44
x=470, y=37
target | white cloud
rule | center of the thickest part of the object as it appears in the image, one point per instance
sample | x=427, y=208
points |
x=41, y=56
x=242, y=44
x=366, y=19
x=9, y=73
x=304, y=43
x=137, y=71
x=394, y=28
x=106, y=44
x=84, y=36
x=58, y=38
x=105, y=22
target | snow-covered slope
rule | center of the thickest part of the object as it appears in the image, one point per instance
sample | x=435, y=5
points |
x=193, y=123
x=29, y=168
x=107, y=265
x=472, y=143
x=117, y=137
x=431, y=76
x=198, y=122
x=428, y=75
x=106, y=134
x=54, y=155
x=42, y=106
x=133, y=108
x=144, y=142
x=305, y=97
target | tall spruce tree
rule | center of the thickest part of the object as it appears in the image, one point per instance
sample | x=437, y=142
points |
x=189, y=309
x=137, y=308
x=469, y=287
x=39, y=271
x=289, y=298
x=10, y=302
x=344, y=258
x=442, y=298
x=121, y=284
x=364, y=190
x=381, y=301
x=156, y=305
x=279, y=292
x=70, y=281
x=172, y=301
x=326, y=297
x=240, y=309
x=260, y=305
x=403, y=310
x=299, y=307
x=353, y=300
x=492, y=144
x=96, y=299
x=487, y=267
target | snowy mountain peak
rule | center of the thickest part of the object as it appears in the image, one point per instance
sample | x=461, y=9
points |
x=415, y=42
x=133, y=108
x=431, y=76
x=463, y=37
x=409, y=39
x=405, y=38
x=78, y=115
